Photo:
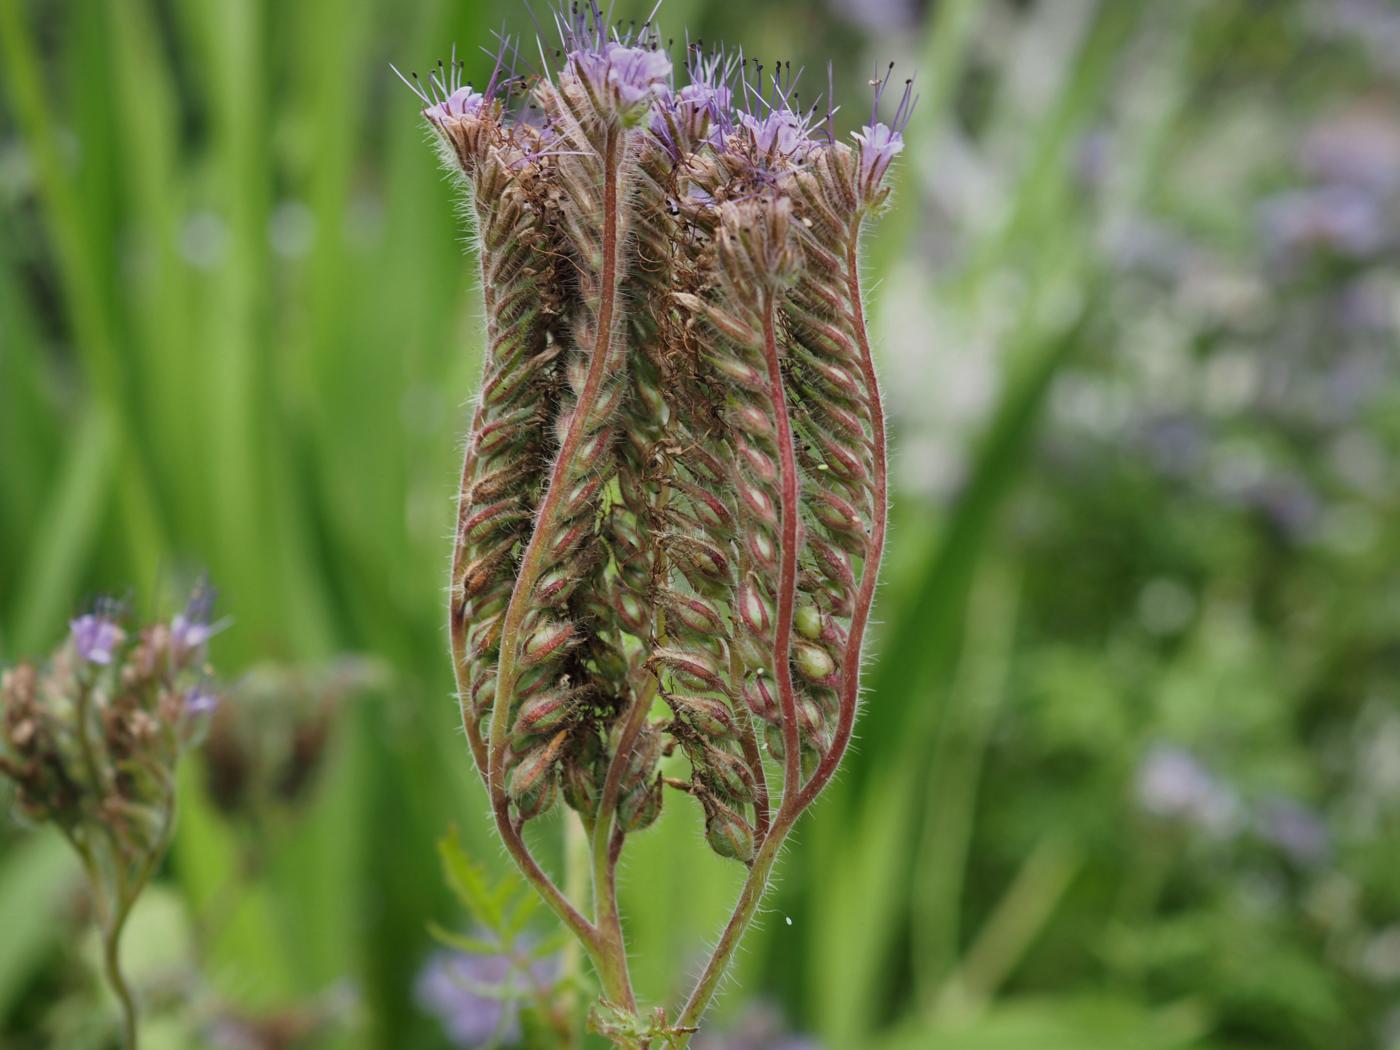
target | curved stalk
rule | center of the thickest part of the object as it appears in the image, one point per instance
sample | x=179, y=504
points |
x=787, y=571
x=605, y=951
x=795, y=802
x=870, y=570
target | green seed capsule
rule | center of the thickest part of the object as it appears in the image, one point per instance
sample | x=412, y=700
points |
x=548, y=638
x=813, y=662
x=640, y=807
x=710, y=716
x=728, y=834
x=542, y=715
x=752, y=653
x=539, y=800
x=726, y=774
x=531, y=772
x=808, y=622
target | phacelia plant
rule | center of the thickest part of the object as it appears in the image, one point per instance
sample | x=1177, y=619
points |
x=91, y=741
x=672, y=507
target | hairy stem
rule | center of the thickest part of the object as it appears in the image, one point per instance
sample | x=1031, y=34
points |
x=787, y=571
x=794, y=802
x=116, y=980
x=605, y=951
x=605, y=856
x=870, y=569
x=750, y=895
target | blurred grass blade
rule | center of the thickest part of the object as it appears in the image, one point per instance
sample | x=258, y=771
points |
x=36, y=877
x=64, y=534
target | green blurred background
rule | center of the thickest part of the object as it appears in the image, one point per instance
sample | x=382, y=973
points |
x=1128, y=773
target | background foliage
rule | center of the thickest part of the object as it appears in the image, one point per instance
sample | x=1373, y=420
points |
x=1129, y=767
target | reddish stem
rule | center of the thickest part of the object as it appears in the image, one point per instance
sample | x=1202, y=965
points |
x=870, y=571
x=787, y=570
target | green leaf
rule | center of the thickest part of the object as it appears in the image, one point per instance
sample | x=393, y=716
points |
x=461, y=942
x=467, y=881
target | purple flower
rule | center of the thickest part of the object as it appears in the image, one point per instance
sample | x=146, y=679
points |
x=1174, y=785
x=1295, y=830
x=633, y=74
x=761, y=1028
x=782, y=133
x=95, y=636
x=450, y=988
x=476, y=996
x=879, y=145
x=191, y=629
x=879, y=142
x=466, y=101
x=703, y=108
x=1338, y=218
x=201, y=701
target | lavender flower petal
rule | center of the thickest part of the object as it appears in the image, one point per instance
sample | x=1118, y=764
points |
x=95, y=636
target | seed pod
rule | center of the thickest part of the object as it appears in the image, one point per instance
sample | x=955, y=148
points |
x=539, y=799
x=757, y=462
x=640, y=807
x=755, y=654
x=532, y=768
x=631, y=613
x=549, y=638
x=724, y=773
x=753, y=608
x=813, y=662
x=763, y=549
x=583, y=772
x=699, y=559
x=807, y=621
x=696, y=670
x=543, y=714
x=760, y=696
x=694, y=614
x=728, y=834
x=710, y=717
x=749, y=418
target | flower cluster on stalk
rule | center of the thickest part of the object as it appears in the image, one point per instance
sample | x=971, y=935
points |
x=674, y=486
x=91, y=740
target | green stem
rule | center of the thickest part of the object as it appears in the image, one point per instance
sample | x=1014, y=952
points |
x=111, y=967
x=749, y=898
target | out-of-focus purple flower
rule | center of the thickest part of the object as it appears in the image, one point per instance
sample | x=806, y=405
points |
x=1177, y=444
x=1173, y=784
x=191, y=629
x=634, y=74
x=201, y=701
x=476, y=997
x=880, y=16
x=1360, y=148
x=1288, y=504
x=1338, y=218
x=95, y=636
x=1294, y=829
x=451, y=988
x=761, y=1028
